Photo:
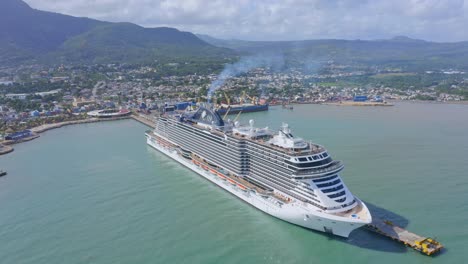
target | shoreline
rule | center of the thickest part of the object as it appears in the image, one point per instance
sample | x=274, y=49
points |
x=4, y=149
x=431, y=102
x=6, y=146
x=389, y=102
x=44, y=128
x=352, y=103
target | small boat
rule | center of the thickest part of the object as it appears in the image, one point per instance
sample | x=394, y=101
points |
x=2, y=173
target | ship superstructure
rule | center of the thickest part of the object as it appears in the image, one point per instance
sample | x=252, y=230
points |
x=280, y=174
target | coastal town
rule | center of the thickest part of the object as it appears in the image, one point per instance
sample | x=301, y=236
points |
x=36, y=95
x=219, y=131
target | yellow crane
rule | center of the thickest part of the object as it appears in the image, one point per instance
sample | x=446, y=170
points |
x=252, y=99
x=228, y=100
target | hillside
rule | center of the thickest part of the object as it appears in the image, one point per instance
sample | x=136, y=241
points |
x=35, y=30
x=27, y=34
x=400, y=52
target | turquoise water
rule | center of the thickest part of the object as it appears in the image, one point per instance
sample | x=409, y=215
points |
x=95, y=193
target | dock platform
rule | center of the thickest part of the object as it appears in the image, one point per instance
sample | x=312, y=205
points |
x=419, y=243
x=144, y=119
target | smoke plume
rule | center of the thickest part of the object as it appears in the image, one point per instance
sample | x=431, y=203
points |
x=244, y=65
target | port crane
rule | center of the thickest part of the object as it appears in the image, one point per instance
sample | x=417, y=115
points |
x=252, y=99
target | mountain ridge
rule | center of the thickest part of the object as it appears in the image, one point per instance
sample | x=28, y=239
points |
x=400, y=51
x=31, y=35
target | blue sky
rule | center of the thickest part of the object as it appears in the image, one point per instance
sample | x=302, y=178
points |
x=436, y=20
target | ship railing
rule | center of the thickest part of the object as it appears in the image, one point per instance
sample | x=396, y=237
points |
x=334, y=166
x=313, y=149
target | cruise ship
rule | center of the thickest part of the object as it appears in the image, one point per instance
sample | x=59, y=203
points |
x=280, y=174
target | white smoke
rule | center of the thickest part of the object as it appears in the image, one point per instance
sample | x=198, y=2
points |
x=244, y=65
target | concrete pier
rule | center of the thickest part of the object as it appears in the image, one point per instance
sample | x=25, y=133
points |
x=144, y=119
x=4, y=149
x=419, y=243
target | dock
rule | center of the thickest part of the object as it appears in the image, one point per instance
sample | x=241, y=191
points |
x=4, y=149
x=425, y=245
x=353, y=103
x=144, y=119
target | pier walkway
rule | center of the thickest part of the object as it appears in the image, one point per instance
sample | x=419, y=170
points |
x=4, y=149
x=419, y=243
x=144, y=119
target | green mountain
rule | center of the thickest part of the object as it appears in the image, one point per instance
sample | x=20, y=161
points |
x=400, y=52
x=30, y=35
x=131, y=43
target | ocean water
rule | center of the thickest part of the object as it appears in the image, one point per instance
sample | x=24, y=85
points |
x=95, y=193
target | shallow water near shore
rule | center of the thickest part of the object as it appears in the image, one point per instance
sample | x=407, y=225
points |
x=96, y=193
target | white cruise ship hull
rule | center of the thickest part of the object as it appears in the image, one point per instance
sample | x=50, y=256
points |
x=294, y=212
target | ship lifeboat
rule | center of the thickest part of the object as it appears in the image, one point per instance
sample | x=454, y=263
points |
x=205, y=167
x=213, y=171
x=220, y=175
x=242, y=187
x=231, y=181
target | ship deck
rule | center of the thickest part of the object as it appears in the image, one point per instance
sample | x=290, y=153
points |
x=358, y=211
x=314, y=149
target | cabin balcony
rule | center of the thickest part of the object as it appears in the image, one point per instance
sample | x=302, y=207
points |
x=334, y=167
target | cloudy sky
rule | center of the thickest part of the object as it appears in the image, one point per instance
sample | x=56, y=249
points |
x=437, y=20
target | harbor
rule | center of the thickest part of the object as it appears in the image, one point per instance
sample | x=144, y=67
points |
x=6, y=146
x=425, y=245
x=159, y=195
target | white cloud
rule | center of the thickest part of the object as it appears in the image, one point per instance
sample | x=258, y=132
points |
x=440, y=20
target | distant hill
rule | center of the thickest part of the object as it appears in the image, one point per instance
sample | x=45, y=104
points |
x=27, y=34
x=400, y=52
